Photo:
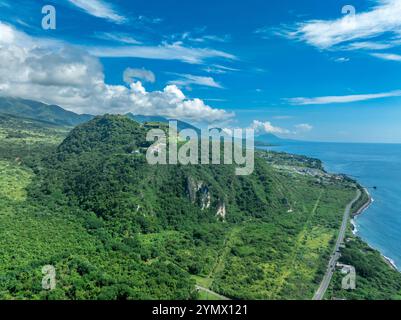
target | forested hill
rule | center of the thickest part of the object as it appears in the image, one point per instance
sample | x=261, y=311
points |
x=101, y=167
x=114, y=227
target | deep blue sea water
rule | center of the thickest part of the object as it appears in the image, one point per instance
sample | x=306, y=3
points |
x=372, y=165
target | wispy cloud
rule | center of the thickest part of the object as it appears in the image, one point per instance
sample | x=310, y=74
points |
x=189, y=79
x=215, y=99
x=4, y=4
x=99, y=9
x=269, y=32
x=219, y=69
x=370, y=45
x=303, y=127
x=282, y=117
x=199, y=36
x=131, y=75
x=387, y=56
x=147, y=20
x=117, y=37
x=349, y=32
x=341, y=59
x=224, y=38
x=175, y=51
x=342, y=99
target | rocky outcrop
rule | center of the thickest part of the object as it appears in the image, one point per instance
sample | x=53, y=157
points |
x=191, y=189
x=198, y=192
x=205, y=198
x=221, y=210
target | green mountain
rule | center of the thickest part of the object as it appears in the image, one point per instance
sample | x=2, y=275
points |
x=13, y=121
x=194, y=224
x=115, y=180
x=40, y=111
x=114, y=227
x=120, y=227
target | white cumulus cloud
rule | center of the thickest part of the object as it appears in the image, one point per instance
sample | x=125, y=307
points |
x=56, y=73
x=267, y=127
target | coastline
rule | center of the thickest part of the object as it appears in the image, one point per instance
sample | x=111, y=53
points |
x=390, y=262
x=356, y=213
x=366, y=205
x=361, y=210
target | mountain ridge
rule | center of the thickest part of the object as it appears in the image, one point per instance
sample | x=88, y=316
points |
x=56, y=115
x=40, y=111
x=53, y=114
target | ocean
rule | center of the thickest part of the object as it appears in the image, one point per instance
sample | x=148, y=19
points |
x=372, y=165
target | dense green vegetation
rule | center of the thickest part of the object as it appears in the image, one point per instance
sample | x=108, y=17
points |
x=114, y=227
x=375, y=278
x=26, y=141
x=285, y=159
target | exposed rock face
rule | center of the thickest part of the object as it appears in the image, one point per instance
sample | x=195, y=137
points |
x=191, y=189
x=221, y=210
x=205, y=198
x=198, y=192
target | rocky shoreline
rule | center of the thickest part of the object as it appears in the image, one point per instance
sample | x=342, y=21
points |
x=366, y=205
x=360, y=211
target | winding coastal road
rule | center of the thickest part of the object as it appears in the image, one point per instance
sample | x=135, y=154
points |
x=336, y=253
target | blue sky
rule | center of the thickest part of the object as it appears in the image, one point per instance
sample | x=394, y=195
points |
x=299, y=69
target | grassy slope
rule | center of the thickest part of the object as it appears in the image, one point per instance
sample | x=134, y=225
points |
x=284, y=259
